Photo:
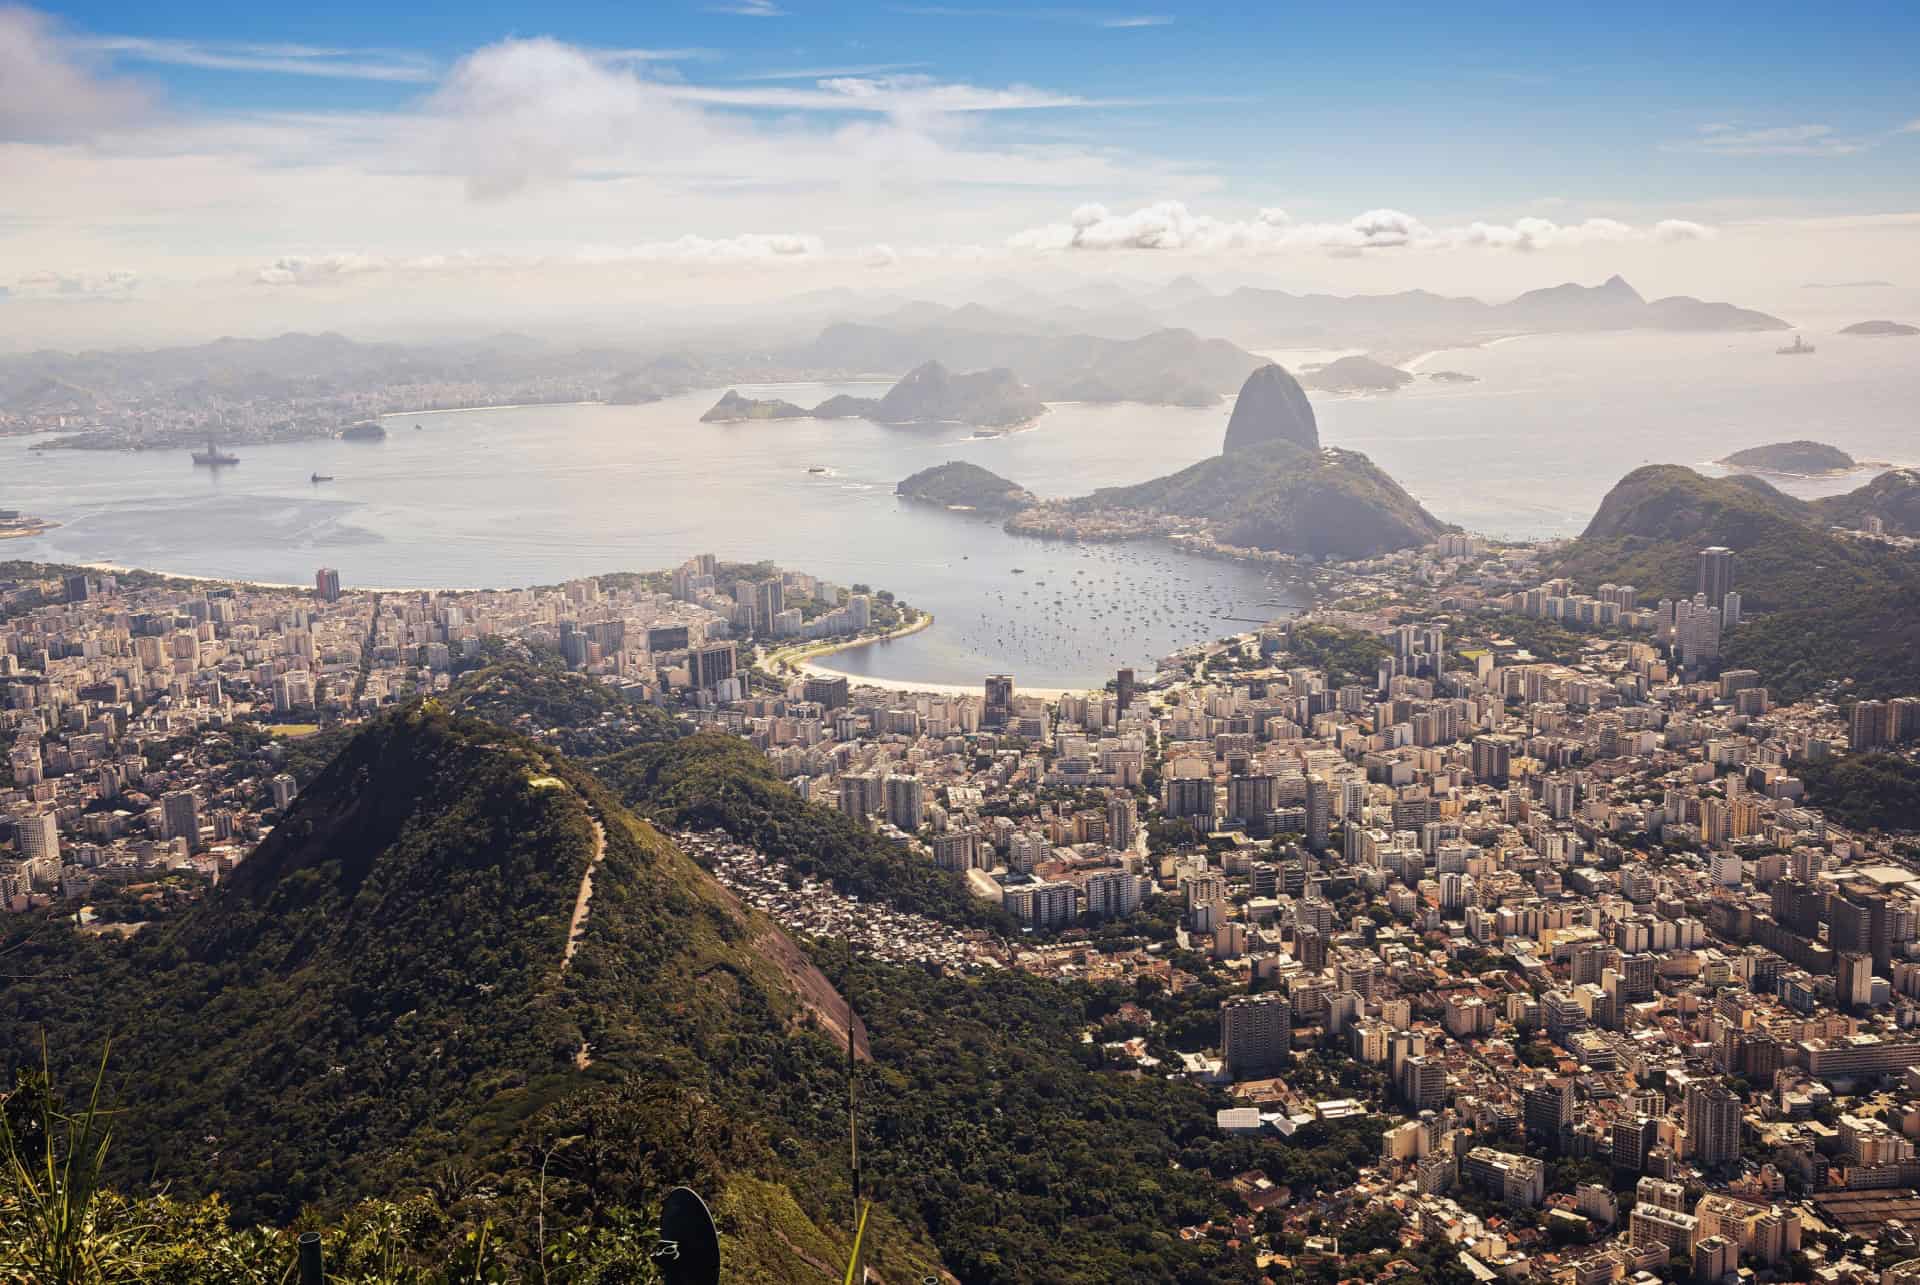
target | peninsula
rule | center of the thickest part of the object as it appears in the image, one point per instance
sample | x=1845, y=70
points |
x=1274, y=489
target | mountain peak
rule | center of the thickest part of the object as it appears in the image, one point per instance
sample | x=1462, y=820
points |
x=1617, y=285
x=1272, y=408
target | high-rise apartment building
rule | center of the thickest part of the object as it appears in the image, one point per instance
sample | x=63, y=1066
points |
x=1713, y=1115
x=906, y=801
x=1716, y=574
x=710, y=665
x=1256, y=1034
x=180, y=817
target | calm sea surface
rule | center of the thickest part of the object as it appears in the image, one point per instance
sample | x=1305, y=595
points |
x=537, y=495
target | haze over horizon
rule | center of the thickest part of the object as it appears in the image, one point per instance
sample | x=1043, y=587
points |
x=176, y=175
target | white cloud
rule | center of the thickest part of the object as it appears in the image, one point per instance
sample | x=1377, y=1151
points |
x=74, y=285
x=1171, y=226
x=750, y=9
x=1722, y=138
x=747, y=249
x=50, y=91
x=1911, y=127
x=886, y=96
x=523, y=112
x=283, y=59
x=1138, y=20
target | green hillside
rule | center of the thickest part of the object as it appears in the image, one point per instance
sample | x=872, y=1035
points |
x=715, y=781
x=1893, y=497
x=1827, y=608
x=375, y=1025
x=1281, y=496
x=382, y=995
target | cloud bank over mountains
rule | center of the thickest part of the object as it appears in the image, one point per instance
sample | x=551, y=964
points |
x=1171, y=226
x=602, y=169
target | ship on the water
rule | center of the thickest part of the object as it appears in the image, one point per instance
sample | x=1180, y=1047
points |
x=323, y=477
x=1796, y=348
x=214, y=457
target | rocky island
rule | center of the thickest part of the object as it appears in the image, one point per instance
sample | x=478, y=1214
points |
x=732, y=408
x=1795, y=459
x=1357, y=374
x=960, y=485
x=1273, y=489
x=1880, y=329
x=928, y=394
x=1453, y=377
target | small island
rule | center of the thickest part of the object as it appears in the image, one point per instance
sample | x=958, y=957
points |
x=960, y=485
x=1357, y=374
x=1453, y=377
x=1880, y=329
x=365, y=431
x=928, y=394
x=732, y=408
x=1794, y=459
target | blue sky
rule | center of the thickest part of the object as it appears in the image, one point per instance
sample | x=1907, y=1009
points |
x=912, y=133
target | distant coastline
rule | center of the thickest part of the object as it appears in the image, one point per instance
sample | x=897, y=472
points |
x=117, y=568
x=468, y=410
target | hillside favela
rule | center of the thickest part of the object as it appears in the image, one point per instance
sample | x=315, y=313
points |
x=794, y=643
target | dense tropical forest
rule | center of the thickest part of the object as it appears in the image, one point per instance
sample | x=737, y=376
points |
x=1872, y=791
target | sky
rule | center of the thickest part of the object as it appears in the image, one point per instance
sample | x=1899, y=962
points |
x=197, y=167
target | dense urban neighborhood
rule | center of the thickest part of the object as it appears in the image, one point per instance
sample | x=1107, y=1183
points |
x=1520, y=918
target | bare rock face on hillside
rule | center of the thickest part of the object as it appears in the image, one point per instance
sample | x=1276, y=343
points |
x=1272, y=408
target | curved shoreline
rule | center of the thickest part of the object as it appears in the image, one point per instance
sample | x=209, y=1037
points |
x=806, y=665
x=800, y=659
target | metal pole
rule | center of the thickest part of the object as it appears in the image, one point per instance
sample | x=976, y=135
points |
x=312, y=1271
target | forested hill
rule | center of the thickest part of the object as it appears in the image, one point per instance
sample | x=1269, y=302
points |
x=379, y=1006
x=383, y=995
x=710, y=781
x=1827, y=607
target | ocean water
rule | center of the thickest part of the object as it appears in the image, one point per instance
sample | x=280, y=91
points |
x=1531, y=450
x=541, y=494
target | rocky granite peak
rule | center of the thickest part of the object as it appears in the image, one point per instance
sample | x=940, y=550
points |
x=1272, y=408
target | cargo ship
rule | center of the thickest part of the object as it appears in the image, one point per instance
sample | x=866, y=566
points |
x=1796, y=348
x=214, y=457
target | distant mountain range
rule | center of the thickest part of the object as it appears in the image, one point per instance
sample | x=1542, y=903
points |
x=1168, y=367
x=1099, y=341
x=928, y=394
x=1272, y=315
